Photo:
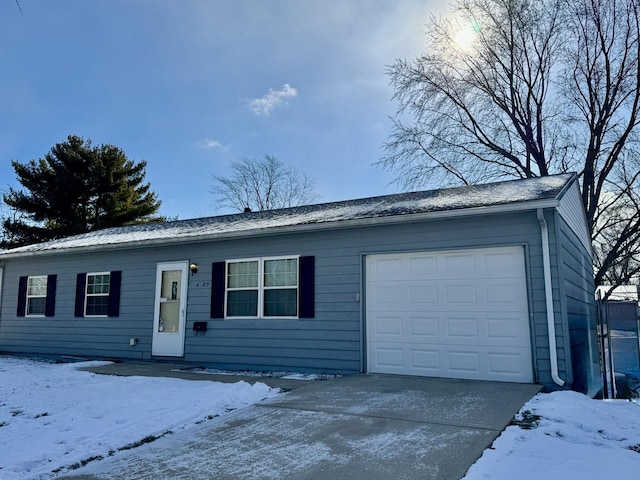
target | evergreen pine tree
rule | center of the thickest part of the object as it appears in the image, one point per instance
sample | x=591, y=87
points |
x=77, y=188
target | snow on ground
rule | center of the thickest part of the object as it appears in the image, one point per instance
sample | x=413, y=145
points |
x=573, y=437
x=53, y=416
x=250, y=373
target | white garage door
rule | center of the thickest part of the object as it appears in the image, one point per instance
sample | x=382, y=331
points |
x=457, y=314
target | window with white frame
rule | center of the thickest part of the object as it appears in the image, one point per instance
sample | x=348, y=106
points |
x=97, y=294
x=263, y=287
x=36, y=296
x=281, y=287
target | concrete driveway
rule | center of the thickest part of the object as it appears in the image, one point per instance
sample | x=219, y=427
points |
x=354, y=427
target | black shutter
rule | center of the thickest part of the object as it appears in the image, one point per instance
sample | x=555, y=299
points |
x=50, y=305
x=22, y=296
x=306, y=287
x=115, y=280
x=217, y=289
x=81, y=281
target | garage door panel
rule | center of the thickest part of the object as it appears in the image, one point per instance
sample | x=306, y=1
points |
x=389, y=294
x=390, y=358
x=450, y=314
x=463, y=363
x=463, y=327
x=487, y=296
x=459, y=264
x=421, y=327
x=456, y=294
x=453, y=330
x=506, y=328
x=485, y=329
x=505, y=293
x=425, y=360
x=423, y=293
x=503, y=263
x=423, y=265
x=507, y=363
x=489, y=363
x=388, y=268
x=388, y=327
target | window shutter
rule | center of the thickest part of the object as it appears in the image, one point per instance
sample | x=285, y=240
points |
x=306, y=287
x=50, y=305
x=22, y=296
x=217, y=289
x=115, y=279
x=81, y=281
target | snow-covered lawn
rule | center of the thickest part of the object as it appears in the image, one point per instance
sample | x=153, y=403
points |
x=571, y=437
x=54, y=417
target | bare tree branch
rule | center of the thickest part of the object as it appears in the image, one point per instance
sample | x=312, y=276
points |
x=547, y=86
x=263, y=184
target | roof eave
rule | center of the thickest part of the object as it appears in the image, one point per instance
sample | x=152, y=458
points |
x=567, y=186
x=270, y=231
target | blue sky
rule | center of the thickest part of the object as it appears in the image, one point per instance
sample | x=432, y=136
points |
x=192, y=85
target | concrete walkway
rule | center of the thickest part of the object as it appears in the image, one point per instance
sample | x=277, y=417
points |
x=186, y=371
x=354, y=427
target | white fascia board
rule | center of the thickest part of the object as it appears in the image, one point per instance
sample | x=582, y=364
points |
x=300, y=228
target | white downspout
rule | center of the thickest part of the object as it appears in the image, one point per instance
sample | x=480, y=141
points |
x=548, y=295
x=1, y=288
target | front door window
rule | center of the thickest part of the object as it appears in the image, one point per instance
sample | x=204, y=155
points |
x=170, y=289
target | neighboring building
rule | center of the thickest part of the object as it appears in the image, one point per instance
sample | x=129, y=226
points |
x=450, y=283
x=622, y=293
x=622, y=321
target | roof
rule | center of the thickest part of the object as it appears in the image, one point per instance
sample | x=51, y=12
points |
x=466, y=200
x=621, y=293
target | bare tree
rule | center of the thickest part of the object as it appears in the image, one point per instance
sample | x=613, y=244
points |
x=543, y=87
x=263, y=184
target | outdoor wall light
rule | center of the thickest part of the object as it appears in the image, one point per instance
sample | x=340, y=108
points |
x=194, y=268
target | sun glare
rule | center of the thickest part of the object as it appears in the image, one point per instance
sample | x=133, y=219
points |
x=465, y=37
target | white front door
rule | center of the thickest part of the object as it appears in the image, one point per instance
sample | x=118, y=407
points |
x=170, y=308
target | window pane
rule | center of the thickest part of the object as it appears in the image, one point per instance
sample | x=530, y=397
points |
x=242, y=274
x=242, y=303
x=281, y=273
x=37, y=286
x=98, y=284
x=169, y=317
x=281, y=303
x=35, y=306
x=170, y=286
x=97, y=305
x=104, y=284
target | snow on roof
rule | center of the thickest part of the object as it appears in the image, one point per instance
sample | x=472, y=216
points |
x=622, y=293
x=507, y=193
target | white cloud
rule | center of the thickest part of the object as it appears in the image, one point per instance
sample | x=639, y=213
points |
x=209, y=144
x=273, y=99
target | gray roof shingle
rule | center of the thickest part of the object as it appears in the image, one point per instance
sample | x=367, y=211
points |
x=400, y=206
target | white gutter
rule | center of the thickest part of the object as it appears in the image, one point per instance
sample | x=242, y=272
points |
x=548, y=294
x=1, y=288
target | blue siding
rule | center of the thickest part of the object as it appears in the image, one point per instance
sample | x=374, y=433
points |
x=330, y=342
x=576, y=277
